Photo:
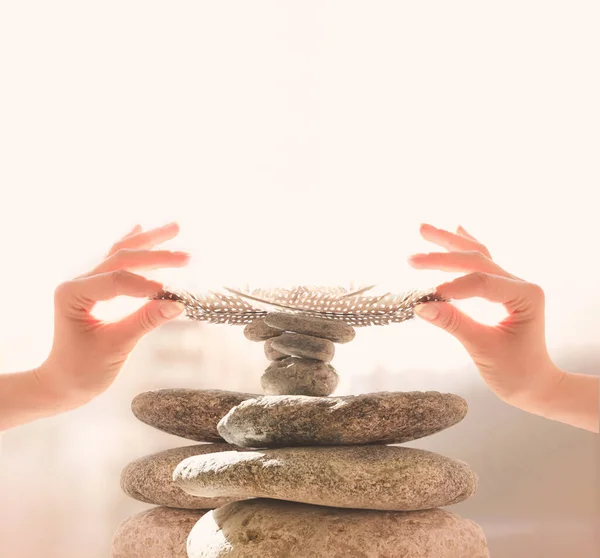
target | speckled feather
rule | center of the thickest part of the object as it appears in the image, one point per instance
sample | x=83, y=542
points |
x=335, y=303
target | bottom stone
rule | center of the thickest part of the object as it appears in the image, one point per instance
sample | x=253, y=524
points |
x=155, y=533
x=272, y=529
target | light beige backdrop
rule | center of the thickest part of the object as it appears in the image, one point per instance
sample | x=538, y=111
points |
x=299, y=143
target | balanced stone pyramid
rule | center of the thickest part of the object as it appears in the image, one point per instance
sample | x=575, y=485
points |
x=296, y=472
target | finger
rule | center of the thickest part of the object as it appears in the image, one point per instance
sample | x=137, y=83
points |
x=451, y=241
x=142, y=259
x=147, y=240
x=461, y=230
x=514, y=294
x=449, y=318
x=83, y=293
x=150, y=316
x=137, y=229
x=457, y=261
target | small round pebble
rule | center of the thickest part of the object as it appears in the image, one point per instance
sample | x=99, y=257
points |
x=304, y=346
x=271, y=353
x=334, y=330
x=295, y=376
x=258, y=330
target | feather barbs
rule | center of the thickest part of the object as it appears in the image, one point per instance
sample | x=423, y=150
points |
x=334, y=303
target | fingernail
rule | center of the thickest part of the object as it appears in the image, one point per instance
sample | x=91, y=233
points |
x=415, y=256
x=171, y=309
x=428, y=311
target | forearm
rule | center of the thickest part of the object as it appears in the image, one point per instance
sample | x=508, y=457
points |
x=574, y=400
x=23, y=399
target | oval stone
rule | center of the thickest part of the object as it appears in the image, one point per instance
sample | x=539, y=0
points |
x=373, y=418
x=150, y=478
x=189, y=413
x=334, y=330
x=360, y=477
x=272, y=529
x=296, y=376
x=271, y=353
x=304, y=346
x=155, y=533
x=258, y=330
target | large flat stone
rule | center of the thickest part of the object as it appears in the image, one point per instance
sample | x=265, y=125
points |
x=361, y=477
x=272, y=529
x=150, y=478
x=374, y=418
x=189, y=413
x=334, y=330
x=155, y=533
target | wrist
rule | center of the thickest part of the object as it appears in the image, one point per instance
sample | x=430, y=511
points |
x=568, y=397
x=542, y=390
x=50, y=391
x=24, y=398
x=550, y=386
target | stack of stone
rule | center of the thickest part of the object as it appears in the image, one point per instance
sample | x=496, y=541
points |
x=302, y=474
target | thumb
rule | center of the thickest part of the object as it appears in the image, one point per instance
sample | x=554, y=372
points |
x=150, y=316
x=449, y=318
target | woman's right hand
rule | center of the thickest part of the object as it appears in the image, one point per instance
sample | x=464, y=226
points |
x=511, y=356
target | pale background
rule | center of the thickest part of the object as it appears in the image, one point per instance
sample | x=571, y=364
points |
x=299, y=143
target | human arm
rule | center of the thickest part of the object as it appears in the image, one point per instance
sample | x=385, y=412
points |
x=87, y=354
x=511, y=356
x=23, y=399
x=574, y=401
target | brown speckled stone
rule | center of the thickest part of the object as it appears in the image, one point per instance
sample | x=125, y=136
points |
x=271, y=353
x=297, y=376
x=334, y=330
x=150, y=478
x=155, y=533
x=374, y=418
x=304, y=346
x=271, y=529
x=360, y=477
x=258, y=330
x=189, y=413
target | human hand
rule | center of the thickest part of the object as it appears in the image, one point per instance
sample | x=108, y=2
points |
x=511, y=356
x=87, y=353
